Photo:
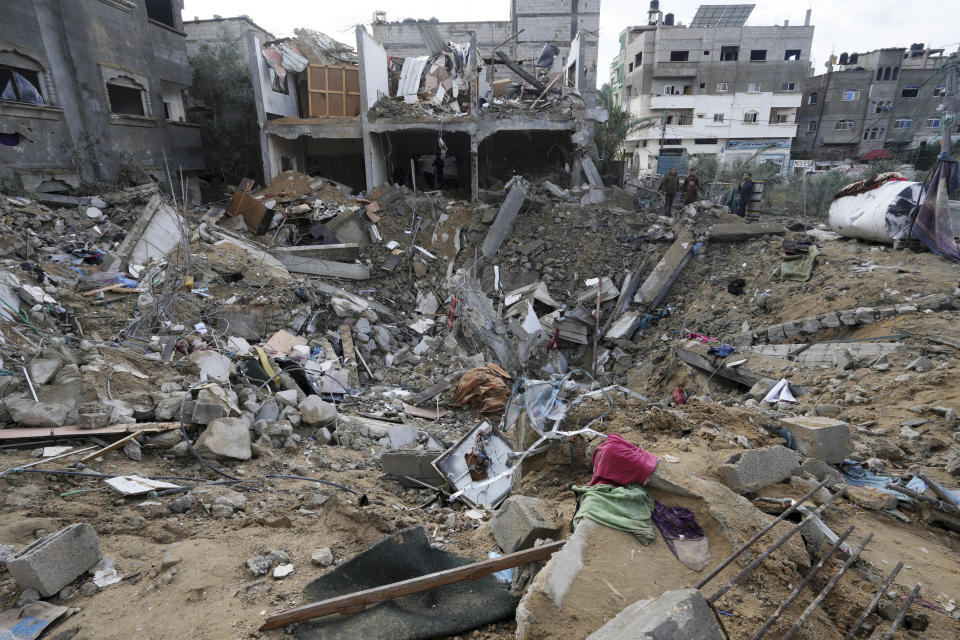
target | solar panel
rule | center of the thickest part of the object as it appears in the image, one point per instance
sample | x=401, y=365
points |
x=722, y=15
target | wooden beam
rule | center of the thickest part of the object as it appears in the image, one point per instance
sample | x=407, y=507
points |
x=25, y=433
x=110, y=447
x=520, y=71
x=356, y=602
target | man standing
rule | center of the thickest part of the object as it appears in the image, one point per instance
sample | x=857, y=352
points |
x=746, y=192
x=691, y=188
x=669, y=186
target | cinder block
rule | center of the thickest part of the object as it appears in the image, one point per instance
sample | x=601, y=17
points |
x=776, y=334
x=675, y=615
x=56, y=560
x=520, y=520
x=755, y=469
x=830, y=320
x=416, y=464
x=822, y=438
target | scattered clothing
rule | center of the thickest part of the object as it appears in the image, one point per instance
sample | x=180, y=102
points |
x=699, y=337
x=933, y=226
x=618, y=462
x=780, y=393
x=722, y=351
x=796, y=247
x=683, y=535
x=679, y=396
x=799, y=267
x=622, y=508
x=483, y=387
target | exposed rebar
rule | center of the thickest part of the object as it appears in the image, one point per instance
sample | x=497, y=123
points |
x=874, y=602
x=827, y=589
x=736, y=554
x=803, y=583
x=903, y=613
x=776, y=545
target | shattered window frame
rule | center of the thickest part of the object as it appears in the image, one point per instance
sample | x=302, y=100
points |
x=276, y=86
x=124, y=87
x=792, y=54
x=12, y=80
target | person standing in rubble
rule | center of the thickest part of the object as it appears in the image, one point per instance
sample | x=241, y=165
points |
x=669, y=186
x=746, y=192
x=691, y=188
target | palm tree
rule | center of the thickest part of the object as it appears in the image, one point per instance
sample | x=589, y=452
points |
x=610, y=136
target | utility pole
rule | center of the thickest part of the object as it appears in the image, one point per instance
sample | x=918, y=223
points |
x=949, y=118
x=823, y=102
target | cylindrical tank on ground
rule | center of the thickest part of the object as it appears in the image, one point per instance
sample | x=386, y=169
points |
x=881, y=215
x=752, y=213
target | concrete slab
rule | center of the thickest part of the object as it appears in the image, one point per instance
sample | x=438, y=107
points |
x=504, y=221
x=520, y=520
x=739, y=231
x=658, y=283
x=755, y=469
x=681, y=614
x=56, y=560
x=415, y=464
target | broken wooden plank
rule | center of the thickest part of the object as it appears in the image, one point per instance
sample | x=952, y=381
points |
x=431, y=392
x=342, y=252
x=318, y=267
x=504, y=221
x=349, y=355
x=25, y=433
x=253, y=211
x=736, y=231
x=658, y=283
x=427, y=413
x=111, y=447
x=356, y=602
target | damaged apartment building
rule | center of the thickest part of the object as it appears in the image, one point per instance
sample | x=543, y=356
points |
x=884, y=103
x=93, y=91
x=464, y=105
x=715, y=86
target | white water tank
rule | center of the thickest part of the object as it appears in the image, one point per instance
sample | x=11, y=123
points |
x=881, y=215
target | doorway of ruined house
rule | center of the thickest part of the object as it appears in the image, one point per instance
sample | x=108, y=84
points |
x=536, y=155
x=336, y=159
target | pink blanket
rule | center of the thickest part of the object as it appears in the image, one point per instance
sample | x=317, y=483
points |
x=619, y=462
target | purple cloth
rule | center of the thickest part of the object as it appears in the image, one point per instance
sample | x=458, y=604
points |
x=932, y=226
x=683, y=535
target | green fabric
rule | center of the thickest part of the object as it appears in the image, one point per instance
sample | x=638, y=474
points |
x=622, y=508
x=800, y=267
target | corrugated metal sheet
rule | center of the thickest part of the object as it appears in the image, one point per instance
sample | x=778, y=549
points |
x=410, y=76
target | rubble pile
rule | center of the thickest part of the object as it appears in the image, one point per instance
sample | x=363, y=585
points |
x=238, y=409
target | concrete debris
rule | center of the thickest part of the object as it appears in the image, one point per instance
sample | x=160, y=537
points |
x=520, y=521
x=679, y=614
x=755, y=469
x=823, y=438
x=54, y=561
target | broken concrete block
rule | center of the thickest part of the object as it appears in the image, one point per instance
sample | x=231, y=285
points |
x=737, y=231
x=624, y=326
x=226, y=438
x=923, y=363
x=520, y=520
x=790, y=330
x=822, y=471
x=823, y=438
x=594, y=196
x=402, y=435
x=208, y=407
x=42, y=370
x=830, y=320
x=848, y=317
x=776, y=334
x=870, y=498
x=655, y=288
x=843, y=359
x=755, y=469
x=866, y=315
x=810, y=325
x=28, y=413
x=317, y=413
x=216, y=367
x=504, y=221
x=287, y=397
x=415, y=464
x=322, y=557
x=590, y=171
x=676, y=615
x=56, y=560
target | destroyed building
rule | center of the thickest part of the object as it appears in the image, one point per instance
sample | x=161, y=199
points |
x=371, y=117
x=715, y=86
x=93, y=92
x=886, y=103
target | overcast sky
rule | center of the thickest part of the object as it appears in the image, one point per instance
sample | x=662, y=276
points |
x=841, y=25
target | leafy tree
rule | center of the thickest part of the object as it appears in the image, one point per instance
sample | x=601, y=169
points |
x=610, y=136
x=222, y=103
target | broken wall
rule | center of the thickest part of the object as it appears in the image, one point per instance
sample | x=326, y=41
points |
x=274, y=103
x=74, y=53
x=373, y=83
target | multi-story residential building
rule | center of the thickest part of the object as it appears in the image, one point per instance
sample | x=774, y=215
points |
x=716, y=86
x=885, y=99
x=90, y=89
x=536, y=22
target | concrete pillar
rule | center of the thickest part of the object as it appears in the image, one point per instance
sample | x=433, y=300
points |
x=474, y=167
